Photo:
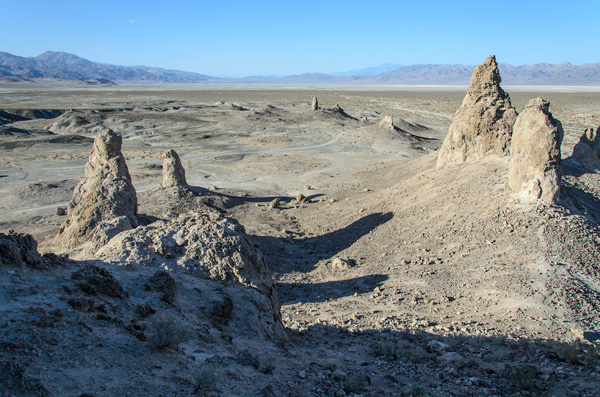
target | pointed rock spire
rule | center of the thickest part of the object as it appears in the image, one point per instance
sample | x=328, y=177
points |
x=173, y=172
x=315, y=103
x=104, y=203
x=482, y=126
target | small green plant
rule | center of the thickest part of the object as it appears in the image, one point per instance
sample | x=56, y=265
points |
x=414, y=391
x=267, y=365
x=568, y=351
x=166, y=331
x=205, y=380
x=386, y=348
x=416, y=354
x=356, y=383
x=331, y=367
x=523, y=377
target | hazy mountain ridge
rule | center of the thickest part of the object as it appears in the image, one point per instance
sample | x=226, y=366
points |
x=61, y=65
x=65, y=66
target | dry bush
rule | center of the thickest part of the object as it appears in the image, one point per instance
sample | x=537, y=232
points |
x=167, y=331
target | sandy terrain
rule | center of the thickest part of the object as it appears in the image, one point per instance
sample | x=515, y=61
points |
x=389, y=268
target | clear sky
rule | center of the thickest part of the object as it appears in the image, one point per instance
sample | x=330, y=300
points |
x=242, y=38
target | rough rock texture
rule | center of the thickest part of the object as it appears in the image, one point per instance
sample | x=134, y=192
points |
x=104, y=203
x=315, y=103
x=587, y=151
x=482, y=126
x=387, y=123
x=207, y=246
x=173, y=172
x=18, y=249
x=535, y=153
x=14, y=381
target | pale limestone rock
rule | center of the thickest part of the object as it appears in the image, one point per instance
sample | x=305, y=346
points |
x=173, y=172
x=534, y=169
x=104, y=203
x=315, y=103
x=482, y=126
x=216, y=251
x=387, y=123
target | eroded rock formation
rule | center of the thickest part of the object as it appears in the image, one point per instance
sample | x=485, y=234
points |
x=483, y=124
x=104, y=203
x=209, y=247
x=315, y=103
x=387, y=123
x=535, y=153
x=587, y=151
x=18, y=249
x=173, y=172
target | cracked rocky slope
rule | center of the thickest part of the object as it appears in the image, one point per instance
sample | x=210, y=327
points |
x=395, y=278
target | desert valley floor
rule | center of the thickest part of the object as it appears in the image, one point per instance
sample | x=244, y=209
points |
x=394, y=277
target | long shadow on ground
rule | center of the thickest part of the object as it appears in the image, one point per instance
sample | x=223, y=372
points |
x=302, y=254
x=291, y=293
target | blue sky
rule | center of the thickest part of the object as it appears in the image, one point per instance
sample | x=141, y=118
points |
x=241, y=38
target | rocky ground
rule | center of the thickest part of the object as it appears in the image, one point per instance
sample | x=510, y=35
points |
x=395, y=277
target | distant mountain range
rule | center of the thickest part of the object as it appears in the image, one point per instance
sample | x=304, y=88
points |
x=64, y=66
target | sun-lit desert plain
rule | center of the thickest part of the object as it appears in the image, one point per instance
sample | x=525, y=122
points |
x=313, y=250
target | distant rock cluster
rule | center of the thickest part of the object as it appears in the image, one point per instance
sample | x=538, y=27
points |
x=488, y=125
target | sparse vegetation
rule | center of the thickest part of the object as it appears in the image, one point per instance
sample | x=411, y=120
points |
x=205, y=380
x=167, y=332
x=523, y=377
x=356, y=383
x=414, y=391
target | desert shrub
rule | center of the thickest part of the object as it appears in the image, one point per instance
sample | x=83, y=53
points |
x=166, y=331
x=356, y=383
x=331, y=367
x=523, y=376
x=386, y=348
x=414, y=391
x=267, y=365
x=568, y=351
x=205, y=380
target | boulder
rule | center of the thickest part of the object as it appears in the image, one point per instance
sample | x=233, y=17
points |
x=483, y=124
x=173, y=172
x=104, y=203
x=534, y=169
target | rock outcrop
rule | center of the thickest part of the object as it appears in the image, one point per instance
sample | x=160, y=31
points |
x=104, y=203
x=173, y=172
x=483, y=124
x=587, y=151
x=315, y=103
x=208, y=247
x=387, y=123
x=18, y=249
x=534, y=169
